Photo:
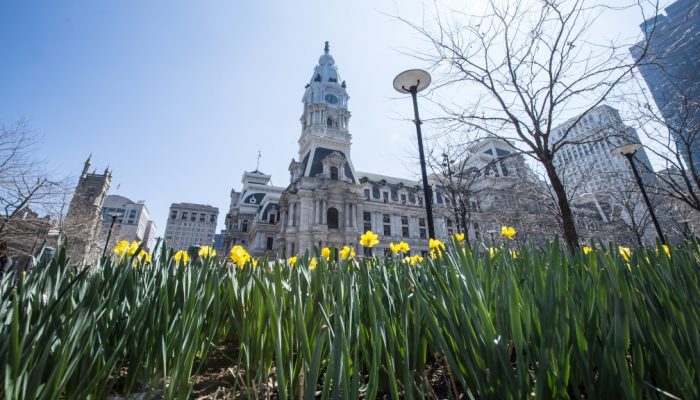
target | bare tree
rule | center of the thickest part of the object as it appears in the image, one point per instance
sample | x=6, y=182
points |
x=529, y=62
x=23, y=180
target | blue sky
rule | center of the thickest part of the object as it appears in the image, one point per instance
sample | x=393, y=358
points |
x=177, y=97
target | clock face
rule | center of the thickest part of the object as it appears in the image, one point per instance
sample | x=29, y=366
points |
x=331, y=99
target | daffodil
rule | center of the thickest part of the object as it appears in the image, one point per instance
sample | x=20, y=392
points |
x=666, y=250
x=143, y=258
x=181, y=257
x=312, y=263
x=121, y=248
x=254, y=263
x=326, y=253
x=514, y=254
x=436, y=244
x=492, y=252
x=368, y=239
x=239, y=256
x=587, y=249
x=292, y=261
x=508, y=232
x=625, y=252
x=401, y=247
x=346, y=253
x=413, y=260
x=207, y=252
x=459, y=237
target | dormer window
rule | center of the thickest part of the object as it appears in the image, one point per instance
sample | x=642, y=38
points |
x=334, y=173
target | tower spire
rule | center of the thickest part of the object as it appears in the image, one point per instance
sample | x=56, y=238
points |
x=326, y=48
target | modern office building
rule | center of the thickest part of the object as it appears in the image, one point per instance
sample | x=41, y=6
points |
x=132, y=222
x=669, y=59
x=586, y=163
x=190, y=225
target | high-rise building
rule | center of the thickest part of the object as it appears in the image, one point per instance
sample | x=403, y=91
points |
x=585, y=163
x=190, y=225
x=133, y=222
x=84, y=217
x=671, y=68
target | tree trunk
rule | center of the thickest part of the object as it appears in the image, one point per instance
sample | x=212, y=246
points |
x=567, y=216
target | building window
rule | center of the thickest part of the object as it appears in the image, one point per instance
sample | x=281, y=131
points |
x=449, y=222
x=184, y=216
x=385, y=197
x=386, y=218
x=421, y=221
x=270, y=242
x=420, y=200
x=193, y=217
x=173, y=215
x=367, y=194
x=329, y=122
x=367, y=218
x=272, y=218
x=212, y=218
x=422, y=233
x=334, y=173
x=404, y=231
x=244, y=228
x=403, y=199
x=332, y=218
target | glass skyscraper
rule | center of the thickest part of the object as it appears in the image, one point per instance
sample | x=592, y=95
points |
x=671, y=69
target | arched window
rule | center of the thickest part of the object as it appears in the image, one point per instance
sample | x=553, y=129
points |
x=329, y=122
x=332, y=218
x=334, y=173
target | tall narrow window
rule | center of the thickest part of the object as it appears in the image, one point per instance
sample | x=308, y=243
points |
x=332, y=218
x=334, y=173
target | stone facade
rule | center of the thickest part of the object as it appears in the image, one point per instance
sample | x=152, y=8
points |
x=190, y=224
x=84, y=217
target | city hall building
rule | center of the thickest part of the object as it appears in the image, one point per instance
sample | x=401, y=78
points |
x=330, y=203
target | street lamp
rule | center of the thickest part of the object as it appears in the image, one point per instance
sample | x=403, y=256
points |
x=114, y=215
x=414, y=81
x=628, y=150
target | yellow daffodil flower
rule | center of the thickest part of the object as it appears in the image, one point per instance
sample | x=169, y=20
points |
x=312, y=263
x=207, y=252
x=292, y=261
x=666, y=250
x=514, y=254
x=239, y=256
x=625, y=252
x=181, y=257
x=143, y=258
x=587, y=249
x=416, y=259
x=346, y=253
x=368, y=239
x=254, y=263
x=436, y=244
x=326, y=253
x=492, y=252
x=133, y=247
x=401, y=247
x=508, y=232
x=121, y=248
x=458, y=237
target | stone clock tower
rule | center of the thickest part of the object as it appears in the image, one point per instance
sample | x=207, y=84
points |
x=324, y=123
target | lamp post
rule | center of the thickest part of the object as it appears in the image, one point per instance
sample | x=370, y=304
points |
x=114, y=215
x=628, y=150
x=414, y=81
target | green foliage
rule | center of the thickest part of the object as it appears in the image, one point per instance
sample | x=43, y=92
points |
x=536, y=323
